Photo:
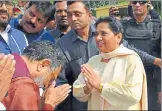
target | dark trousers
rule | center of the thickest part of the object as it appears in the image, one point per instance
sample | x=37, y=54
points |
x=152, y=93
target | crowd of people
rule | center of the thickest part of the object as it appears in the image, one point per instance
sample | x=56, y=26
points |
x=58, y=56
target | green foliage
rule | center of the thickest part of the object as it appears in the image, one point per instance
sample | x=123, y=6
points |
x=98, y=4
x=157, y=6
x=14, y=2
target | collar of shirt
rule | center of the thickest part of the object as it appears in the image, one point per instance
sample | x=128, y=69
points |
x=56, y=33
x=4, y=34
x=76, y=36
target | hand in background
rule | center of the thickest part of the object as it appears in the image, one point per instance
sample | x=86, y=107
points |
x=113, y=11
x=159, y=97
x=7, y=68
x=158, y=62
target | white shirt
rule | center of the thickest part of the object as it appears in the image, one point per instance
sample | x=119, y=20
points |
x=4, y=34
x=2, y=107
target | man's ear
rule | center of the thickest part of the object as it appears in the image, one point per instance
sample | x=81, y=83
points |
x=90, y=14
x=43, y=64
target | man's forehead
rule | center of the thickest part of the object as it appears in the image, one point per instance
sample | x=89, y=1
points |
x=77, y=6
x=6, y=2
x=61, y=5
x=36, y=11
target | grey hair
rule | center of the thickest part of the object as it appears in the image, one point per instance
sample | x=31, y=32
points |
x=40, y=50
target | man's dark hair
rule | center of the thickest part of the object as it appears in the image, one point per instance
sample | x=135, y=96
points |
x=114, y=24
x=54, y=3
x=40, y=50
x=85, y=3
x=44, y=7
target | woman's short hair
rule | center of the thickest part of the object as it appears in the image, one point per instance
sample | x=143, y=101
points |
x=114, y=24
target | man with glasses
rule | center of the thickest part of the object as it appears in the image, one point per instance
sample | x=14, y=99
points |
x=11, y=40
x=153, y=14
x=39, y=60
x=78, y=45
x=60, y=19
x=145, y=34
x=34, y=20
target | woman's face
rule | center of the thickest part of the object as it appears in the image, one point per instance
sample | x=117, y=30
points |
x=106, y=40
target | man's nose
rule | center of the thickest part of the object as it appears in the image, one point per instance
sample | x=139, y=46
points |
x=34, y=19
x=98, y=37
x=73, y=17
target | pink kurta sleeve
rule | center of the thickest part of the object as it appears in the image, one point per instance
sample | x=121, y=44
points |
x=22, y=97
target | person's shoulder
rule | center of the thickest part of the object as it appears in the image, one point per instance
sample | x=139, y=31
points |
x=17, y=33
x=46, y=33
x=69, y=34
x=156, y=21
x=67, y=38
x=47, y=36
x=14, y=30
x=52, y=30
x=24, y=83
x=128, y=19
x=133, y=58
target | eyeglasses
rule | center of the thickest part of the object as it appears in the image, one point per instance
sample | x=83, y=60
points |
x=76, y=14
x=7, y=4
x=140, y=2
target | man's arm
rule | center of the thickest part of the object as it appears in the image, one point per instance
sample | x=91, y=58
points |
x=146, y=58
x=62, y=77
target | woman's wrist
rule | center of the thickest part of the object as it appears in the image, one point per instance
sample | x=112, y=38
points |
x=100, y=87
